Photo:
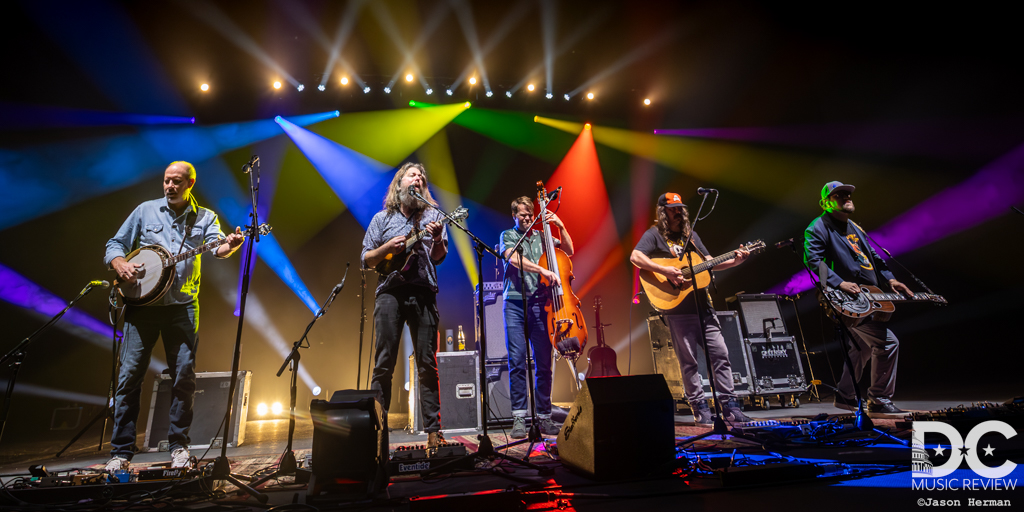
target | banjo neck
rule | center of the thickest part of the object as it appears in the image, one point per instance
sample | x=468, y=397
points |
x=174, y=260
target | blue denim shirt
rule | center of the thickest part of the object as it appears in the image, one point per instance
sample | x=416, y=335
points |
x=155, y=223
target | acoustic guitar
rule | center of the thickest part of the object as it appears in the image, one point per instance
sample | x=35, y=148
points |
x=155, y=273
x=871, y=303
x=393, y=262
x=601, y=360
x=665, y=296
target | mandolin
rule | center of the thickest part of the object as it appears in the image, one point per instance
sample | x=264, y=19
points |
x=665, y=296
x=601, y=360
x=393, y=262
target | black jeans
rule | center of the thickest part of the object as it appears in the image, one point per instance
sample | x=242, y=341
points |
x=178, y=325
x=417, y=307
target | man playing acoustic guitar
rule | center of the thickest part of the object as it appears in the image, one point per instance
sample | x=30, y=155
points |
x=834, y=238
x=664, y=240
x=177, y=223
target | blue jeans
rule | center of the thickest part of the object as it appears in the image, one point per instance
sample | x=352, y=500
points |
x=416, y=306
x=515, y=340
x=178, y=325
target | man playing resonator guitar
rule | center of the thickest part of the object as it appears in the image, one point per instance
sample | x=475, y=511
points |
x=177, y=223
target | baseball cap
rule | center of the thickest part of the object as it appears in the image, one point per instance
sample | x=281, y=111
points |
x=834, y=186
x=670, y=199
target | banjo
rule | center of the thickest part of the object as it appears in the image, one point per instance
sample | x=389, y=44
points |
x=156, y=270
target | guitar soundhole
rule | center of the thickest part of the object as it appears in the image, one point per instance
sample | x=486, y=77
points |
x=876, y=305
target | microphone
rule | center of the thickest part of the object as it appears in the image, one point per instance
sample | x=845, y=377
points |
x=252, y=161
x=92, y=284
x=785, y=243
x=702, y=191
x=554, y=193
x=335, y=291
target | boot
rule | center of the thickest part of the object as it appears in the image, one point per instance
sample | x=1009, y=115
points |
x=733, y=411
x=701, y=412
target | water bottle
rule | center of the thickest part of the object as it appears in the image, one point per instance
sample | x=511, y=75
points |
x=462, y=340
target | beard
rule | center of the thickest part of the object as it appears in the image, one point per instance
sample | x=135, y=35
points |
x=409, y=201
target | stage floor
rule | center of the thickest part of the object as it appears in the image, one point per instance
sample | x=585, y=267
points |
x=505, y=485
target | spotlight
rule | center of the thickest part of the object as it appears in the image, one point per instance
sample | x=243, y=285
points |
x=408, y=77
x=317, y=391
x=586, y=126
x=276, y=408
x=261, y=409
x=344, y=80
x=549, y=95
x=566, y=96
x=387, y=90
x=204, y=87
x=277, y=85
x=448, y=92
x=366, y=89
x=429, y=92
x=508, y=93
x=647, y=101
x=321, y=88
x=529, y=87
x=466, y=104
x=301, y=87
x=472, y=80
x=590, y=95
x=489, y=94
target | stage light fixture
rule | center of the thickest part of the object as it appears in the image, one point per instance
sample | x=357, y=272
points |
x=366, y=90
x=448, y=92
x=647, y=101
x=204, y=87
x=530, y=87
x=508, y=93
x=586, y=126
x=317, y=391
x=300, y=87
x=261, y=409
x=387, y=90
x=277, y=85
x=566, y=96
x=472, y=80
x=489, y=94
x=321, y=88
x=344, y=80
x=590, y=95
x=408, y=77
x=276, y=408
x=549, y=95
x=466, y=104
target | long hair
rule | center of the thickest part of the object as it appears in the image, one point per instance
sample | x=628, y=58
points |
x=393, y=199
x=661, y=222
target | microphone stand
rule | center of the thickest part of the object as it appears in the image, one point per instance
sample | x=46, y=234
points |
x=486, y=448
x=222, y=465
x=286, y=465
x=16, y=356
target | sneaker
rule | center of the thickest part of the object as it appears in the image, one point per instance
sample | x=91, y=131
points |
x=181, y=458
x=883, y=405
x=701, y=412
x=841, y=402
x=548, y=427
x=434, y=441
x=518, y=428
x=733, y=412
x=117, y=464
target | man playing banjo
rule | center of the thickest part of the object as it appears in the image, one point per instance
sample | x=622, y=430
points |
x=177, y=223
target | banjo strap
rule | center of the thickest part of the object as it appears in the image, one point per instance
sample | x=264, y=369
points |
x=188, y=226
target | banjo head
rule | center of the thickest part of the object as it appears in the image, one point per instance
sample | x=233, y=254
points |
x=152, y=278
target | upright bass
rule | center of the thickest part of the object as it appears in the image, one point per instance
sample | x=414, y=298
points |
x=566, y=328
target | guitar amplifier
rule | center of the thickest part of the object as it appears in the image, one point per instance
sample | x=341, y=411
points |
x=494, y=320
x=667, y=363
x=211, y=397
x=775, y=366
x=759, y=311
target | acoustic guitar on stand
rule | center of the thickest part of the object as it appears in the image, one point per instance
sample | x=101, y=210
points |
x=601, y=360
x=665, y=296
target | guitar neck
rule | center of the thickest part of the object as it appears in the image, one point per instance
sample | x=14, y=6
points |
x=893, y=296
x=709, y=264
x=195, y=252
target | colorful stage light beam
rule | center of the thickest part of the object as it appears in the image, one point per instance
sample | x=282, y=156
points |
x=518, y=131
x=350, y=174
x=584, y=207
x=663, y=38
x=18, y=290
x=217, y=183
x=548, y=23
x=25, y=388
x=436, y=157
x=214, y=17
x=49, y=177
x=105, y=42
x=992, y=190
x=28, y=117
x=299, y=12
